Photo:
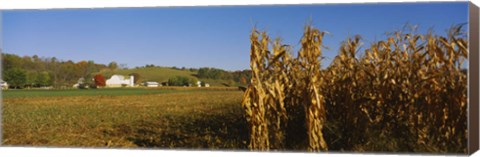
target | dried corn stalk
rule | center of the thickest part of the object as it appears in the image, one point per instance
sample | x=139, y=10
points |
x=309, y=57
x=406, y=93
x=274, y=77
x=256, y=95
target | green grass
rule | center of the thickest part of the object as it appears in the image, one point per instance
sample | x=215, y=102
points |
x=29, y=93
x=82, y=92
x=193, y=120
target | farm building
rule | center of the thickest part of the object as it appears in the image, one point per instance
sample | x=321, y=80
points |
x=3, y=84
x=119, y=81
x=151, y=84
x=200, y=84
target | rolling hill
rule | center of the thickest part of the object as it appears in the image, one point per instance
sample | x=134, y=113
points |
x=159, y=74
x=162, y=74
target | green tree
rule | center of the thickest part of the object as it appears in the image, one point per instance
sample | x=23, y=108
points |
x=193, y=81
x=15, y=77
x=54, y=72
x=10, y=61
x=213, y=73
x=31, y=78
x=174, y=81
x=91, y=67
x=67, y=73
x=181, y=81
x=113, y=65
x=43, y=79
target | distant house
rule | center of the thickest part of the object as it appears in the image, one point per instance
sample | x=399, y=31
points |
x=3, y=84
x=151, y=84
x=200, y=84
x=119, y=81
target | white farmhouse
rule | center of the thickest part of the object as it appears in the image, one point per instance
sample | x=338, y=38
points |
x=151, y=84
x=119, y=81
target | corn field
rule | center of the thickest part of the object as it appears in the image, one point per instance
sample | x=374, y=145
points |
x=407, y=93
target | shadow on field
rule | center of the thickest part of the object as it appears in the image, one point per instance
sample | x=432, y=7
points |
x=208, y=131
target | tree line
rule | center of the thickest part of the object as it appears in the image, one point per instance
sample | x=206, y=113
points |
x=35, y=71
x=240, y=76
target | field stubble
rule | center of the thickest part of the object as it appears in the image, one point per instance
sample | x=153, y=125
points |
x=193, y=120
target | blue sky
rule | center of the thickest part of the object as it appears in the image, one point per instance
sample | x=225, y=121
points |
x=206, y=36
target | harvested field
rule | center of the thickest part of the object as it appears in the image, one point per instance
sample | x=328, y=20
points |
x=169, y=119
